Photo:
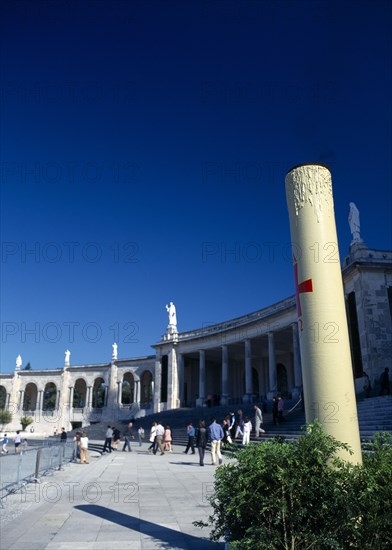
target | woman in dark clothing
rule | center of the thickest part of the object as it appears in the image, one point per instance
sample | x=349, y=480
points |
x=201, y=440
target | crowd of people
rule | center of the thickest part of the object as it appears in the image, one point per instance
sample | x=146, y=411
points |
x=219, y=435
x=233, y=427
x=114, y=437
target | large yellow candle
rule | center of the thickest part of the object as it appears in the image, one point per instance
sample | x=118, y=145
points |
x=328, y=383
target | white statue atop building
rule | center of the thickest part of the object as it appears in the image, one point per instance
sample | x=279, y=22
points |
x=67, y=356
x=171, y=310
x=18, y=362
x=355, y=226
x=115, y=351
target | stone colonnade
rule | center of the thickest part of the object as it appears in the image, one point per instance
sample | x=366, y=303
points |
x=243, y=366
x=78, y=395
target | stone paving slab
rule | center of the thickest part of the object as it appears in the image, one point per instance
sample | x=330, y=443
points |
x=119, y=501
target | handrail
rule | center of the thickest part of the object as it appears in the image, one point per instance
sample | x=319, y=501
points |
x=295, y=406
x=18, y=469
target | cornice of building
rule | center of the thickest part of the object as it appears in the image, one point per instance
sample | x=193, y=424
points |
x=362, y=257
x=125, y=362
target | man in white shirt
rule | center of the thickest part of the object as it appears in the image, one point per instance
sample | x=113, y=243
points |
x=17, y=441
x=159, y=437
x=108, y=440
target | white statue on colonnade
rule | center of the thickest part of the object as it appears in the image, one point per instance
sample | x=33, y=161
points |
x=171, y=310
x=354, y=223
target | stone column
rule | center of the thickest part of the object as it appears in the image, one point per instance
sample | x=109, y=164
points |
x=247, y=398
x=225, y=376
x=90, y=397
x=173, y=401
x=39, y=400
x=202, y=379
x=134, y=393
x=14, y=402
x=119, y=393
x=20, y=400
x=71, y=396
x=7, y=401
x=273, y=385
x=64, y=403
x=296, y=363
x=137, y=392
x=157, y=383
x=180, y=359
x=57, y=402
x=112, y=393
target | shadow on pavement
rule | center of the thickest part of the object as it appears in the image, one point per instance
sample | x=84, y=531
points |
x=168, y=538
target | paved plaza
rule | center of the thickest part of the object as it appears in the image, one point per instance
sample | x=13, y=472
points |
x=120, y=500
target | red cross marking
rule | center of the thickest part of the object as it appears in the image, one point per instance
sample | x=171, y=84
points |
x=305, y=286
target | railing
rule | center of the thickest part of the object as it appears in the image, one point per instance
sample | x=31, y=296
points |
x=297, y=405
x=30, y=413
x=49, y=412
x=95, y=413
x=18, y=469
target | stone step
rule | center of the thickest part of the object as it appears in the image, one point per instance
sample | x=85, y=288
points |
x=375, y=414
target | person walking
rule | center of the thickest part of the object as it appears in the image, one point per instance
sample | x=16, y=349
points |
x=140, y=434
x=84, y=449
x=108, y=440
x=240, y=424
x=127, y=438
x=258, y=421
x=215, y=436
x=152, y=438
x=116, y=438
x=17, y=442
x=201, y=440
x=247, y=430
x=159, y=439
x=5, y=440
x=232, y=424
x=168, y=439
x=76, y=442
x=280, y=409
x=191, y=439
x=63, y=436
x=226, y=440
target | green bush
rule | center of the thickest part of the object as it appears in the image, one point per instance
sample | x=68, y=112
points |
x=26, y=421
x=281, y=495
x=5, y=416
x=372, y=495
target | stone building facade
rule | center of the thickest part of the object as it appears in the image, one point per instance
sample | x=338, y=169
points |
x=76, y=396
x=239, y=361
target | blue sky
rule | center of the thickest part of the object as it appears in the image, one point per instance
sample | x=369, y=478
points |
x=144, y=147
